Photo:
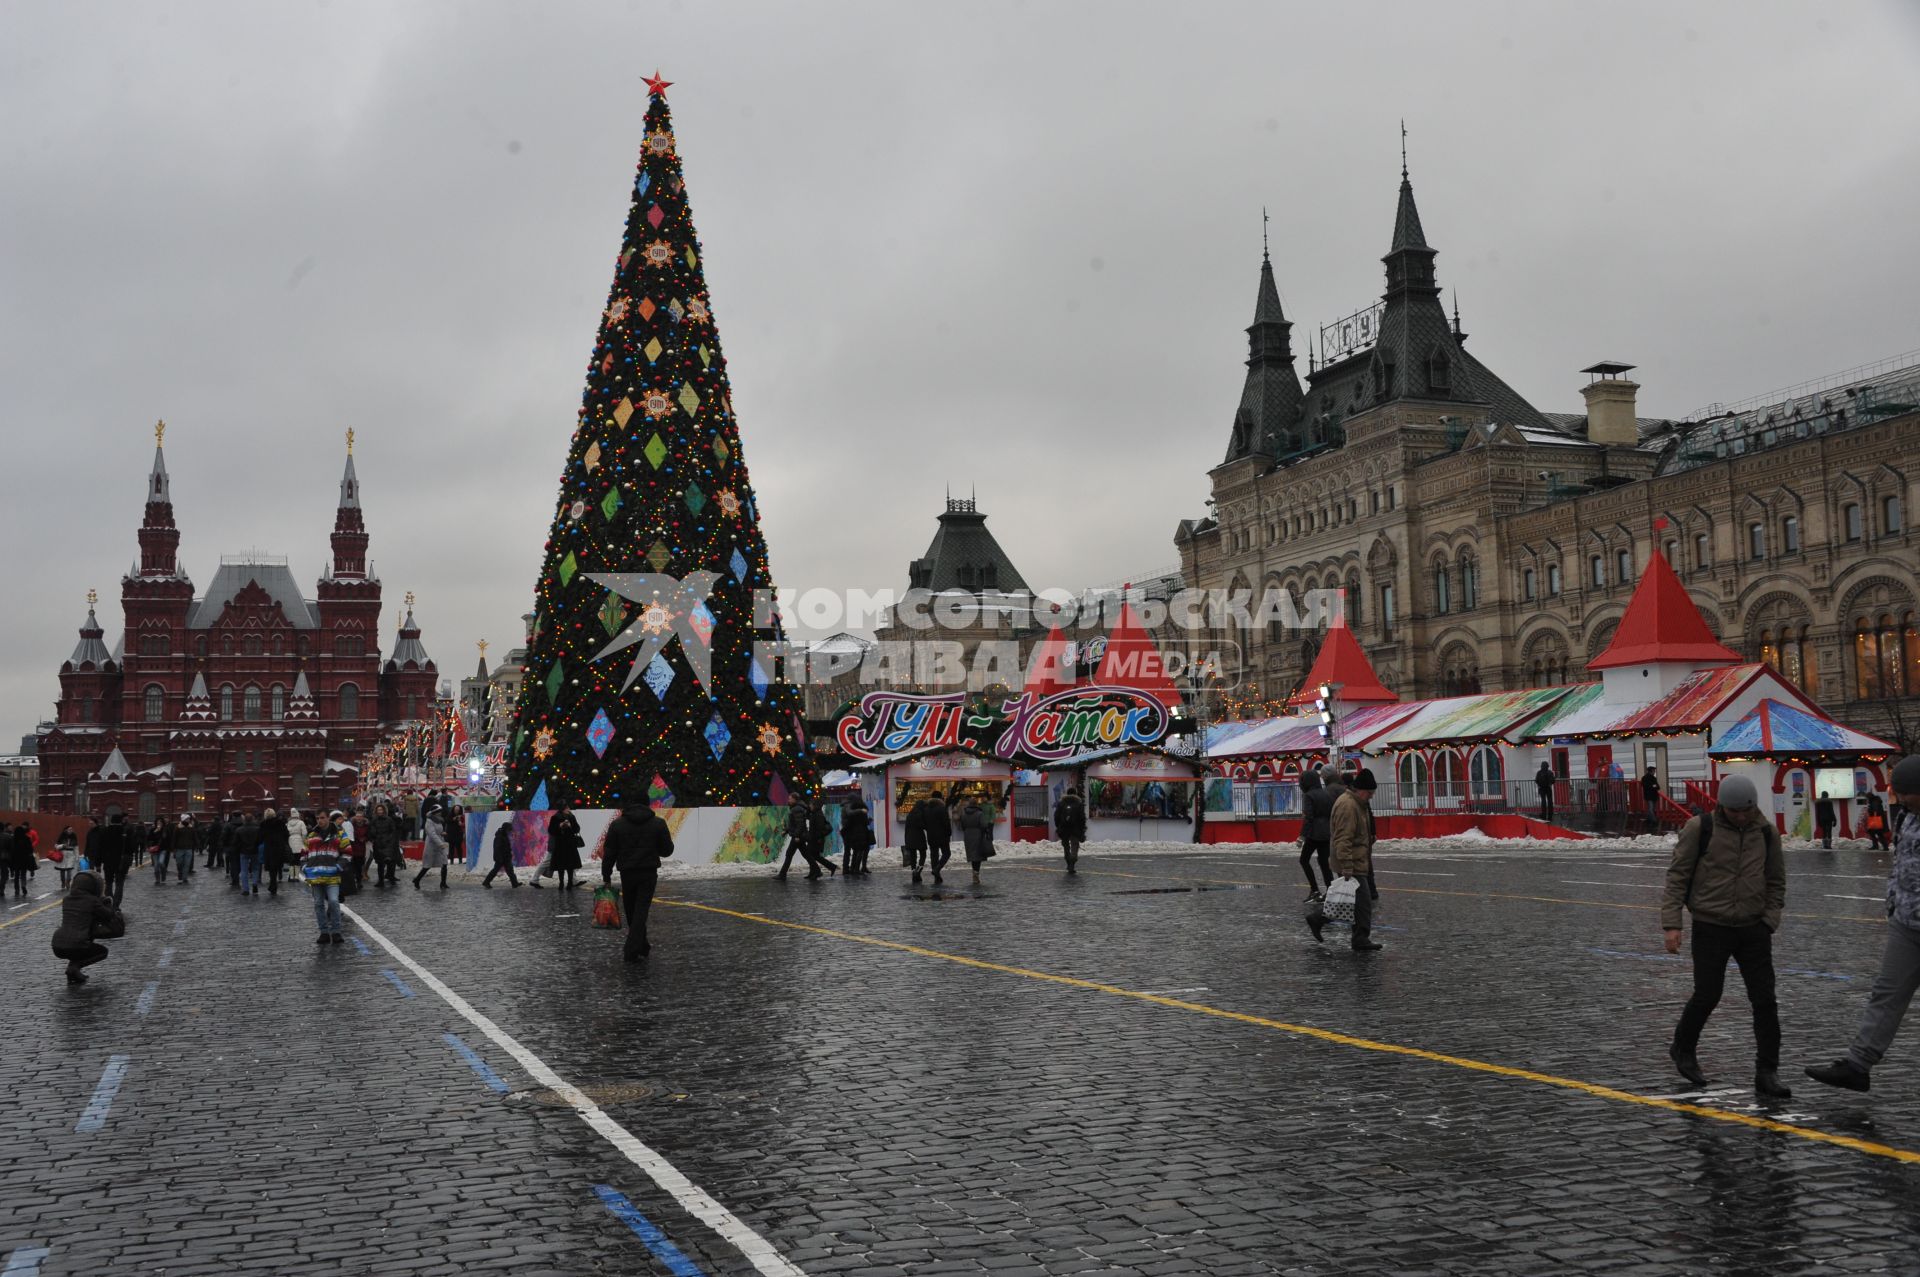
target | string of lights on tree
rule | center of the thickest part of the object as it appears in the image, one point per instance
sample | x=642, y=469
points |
x=638, y=687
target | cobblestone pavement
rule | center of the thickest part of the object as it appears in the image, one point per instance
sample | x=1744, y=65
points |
x=1147, y=1068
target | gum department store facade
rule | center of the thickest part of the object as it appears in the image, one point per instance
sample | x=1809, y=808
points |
x=1487, y=545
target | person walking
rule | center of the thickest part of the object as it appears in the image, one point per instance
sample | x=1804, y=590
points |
x=273, y=848
x=637, y=841
x=454, y=818
x=250, y=843
x=110, y=852
x=1876, y=824
x=160, y=845
x=433, y=855
x=215, y=839
x=856, y=834
x=976, y=833
x=1824, y=819
x=1650, y=797
x=21, y=859
x=1352, y=836
x=354, y=826
x=186, y=845
x=1316, y=829
x=502, y=855
x=1544, y=780
x=322, y=868
x=87, y=916
x=804, y=838
x=1729, y=872
x=913, y=846
x=1070, y=826
x=411, y=807
x=296, y=843
x=939, y=833
x=1899, y=977
x=383, y=836
x=67, y=848
x=563, y=846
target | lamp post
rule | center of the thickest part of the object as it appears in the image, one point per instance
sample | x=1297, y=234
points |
x=1324, y=704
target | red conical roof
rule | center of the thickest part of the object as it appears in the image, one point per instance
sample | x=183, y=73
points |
x=1051, y=671
x=1342, y=661
x=1132, y=660
x=1662, y=624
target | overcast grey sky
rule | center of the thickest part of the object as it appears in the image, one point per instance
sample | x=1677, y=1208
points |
x=1011, y=245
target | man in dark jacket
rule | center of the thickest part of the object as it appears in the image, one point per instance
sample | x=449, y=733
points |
x=502, y=855
x=939, y=824
x=273, y=848
x=246, y=846
x=1650, y=796
x=1316, y=828
x=1544, y=780
x=637, y=841
x=1823, y=818
x=803, y=838
x=1070, y=825
x=110, y=852
x=87, y=916
x=1728, y=871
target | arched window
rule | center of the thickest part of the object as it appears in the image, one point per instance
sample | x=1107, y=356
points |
x=349, y=645
x=1553, y=580
x=1442, y=592
x=1891, y=520
x=1702, y=553
x=226, y=702
x=250, y=703
x=1597, y=567
x=156, y=703
x=1893, y=669
x=1769, y=650
x=200, y=647
x=349, y=701
x=1485, y=775
x=1623, y=566
x=1866, y=660
x=1790, y=535
x=1850, y=522
x=279, y=644
x=1353, y=600
x=1756, y=540
x=277, y=703
x=149, y=806
x=1469, y=582
x=251, y=645
x=1413, y=782
x=1449, y=777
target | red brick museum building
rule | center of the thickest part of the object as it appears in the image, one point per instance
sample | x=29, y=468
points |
x=248, y=695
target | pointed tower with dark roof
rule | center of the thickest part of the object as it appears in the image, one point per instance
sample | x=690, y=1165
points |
x=156, y=596
x=347, y=608
x=1267, y=422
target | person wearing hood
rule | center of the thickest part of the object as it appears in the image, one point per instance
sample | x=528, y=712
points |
x=636, y=842
x=273, y=848
x=383, y=834
x=1729, y=872
x=68, y=845
x=433, y=854
x=87, y=916
x=976, y=833
x=856, y=834
x=110, y=853
x=937, y=821
x=1070, y=825
x=1899, y=977
x=1544, y=780
x=21, y=859
x=1316, y=828
x=502, y=855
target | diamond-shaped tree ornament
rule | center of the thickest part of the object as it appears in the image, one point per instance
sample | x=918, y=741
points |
x=658, y=676
x=613, y=613
x=691, y=259
x=556, y=675
x=777, y=794
x=739, y=566
x=646, y=180
x=696, y=499
x=539, y=800
x=717, y=734
x=622, y=410
x=702, y=622
x=675, y=309
x=758, y=677
x=706, y=358
x=593, y=457
x=655, y=217
x=659, y=556
x=610, y=503
x=656, y=451
x=658, y=795
x=720, y=448
x=646, y=308
x=689, y=400
x=652, y=350
x=568, y=566
x=600, y=733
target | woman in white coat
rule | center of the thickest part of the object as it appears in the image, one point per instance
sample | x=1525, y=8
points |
x=434, y=855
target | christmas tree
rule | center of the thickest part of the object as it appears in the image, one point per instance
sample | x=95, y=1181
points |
x=643, y=680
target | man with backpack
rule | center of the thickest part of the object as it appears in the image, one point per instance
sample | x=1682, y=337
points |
x=1729, y=872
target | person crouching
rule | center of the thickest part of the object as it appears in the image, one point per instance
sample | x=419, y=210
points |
x=87, y=916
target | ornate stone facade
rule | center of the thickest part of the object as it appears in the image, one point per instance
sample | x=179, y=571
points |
x=1485, y=545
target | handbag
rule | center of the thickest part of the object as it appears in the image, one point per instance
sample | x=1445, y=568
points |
x=1338, y=904
x=606, y=908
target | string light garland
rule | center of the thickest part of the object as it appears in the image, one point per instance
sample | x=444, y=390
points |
x=655, y=483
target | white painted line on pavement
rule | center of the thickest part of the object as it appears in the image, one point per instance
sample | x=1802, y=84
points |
x=1588, y=882
x=94, y=1116
x=1875, y=899
x=1415, y=873
x=166, y=958
x=692, y=1198
x=24, y=1261
x=145, y=1004
x=1164, y=993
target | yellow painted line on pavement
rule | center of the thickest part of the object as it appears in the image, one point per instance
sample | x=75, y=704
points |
x=1329, y=1035
x=1435, y=891
x=14, y=922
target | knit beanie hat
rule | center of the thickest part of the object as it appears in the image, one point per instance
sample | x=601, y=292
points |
x=1737, y=793
x=1363, y=780
x=1905, y=776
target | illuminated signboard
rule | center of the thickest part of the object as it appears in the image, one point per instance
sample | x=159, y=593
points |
x=1047, y=728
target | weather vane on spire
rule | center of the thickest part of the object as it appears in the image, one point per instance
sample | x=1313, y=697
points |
x=1263, y=232
x=1403, y=149
x=160, y=433
x=409, y=600
x=656, y=87
x=482, y=645
x=93, y=597
x=349, y=441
